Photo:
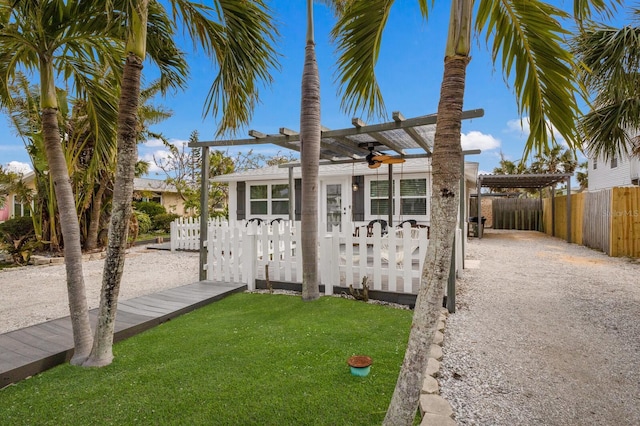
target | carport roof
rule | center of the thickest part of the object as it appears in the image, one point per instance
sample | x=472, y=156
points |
x=522, y=181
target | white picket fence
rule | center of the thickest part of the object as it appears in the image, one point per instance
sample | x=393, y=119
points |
x=244, y=252
x=185, y=234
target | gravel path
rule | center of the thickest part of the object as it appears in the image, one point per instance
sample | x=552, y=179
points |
x=546, y=333
x=35, y=294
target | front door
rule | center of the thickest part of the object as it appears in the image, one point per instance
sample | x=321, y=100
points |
x=334, y=205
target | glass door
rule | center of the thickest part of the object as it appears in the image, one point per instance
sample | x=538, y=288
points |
x=333, y=205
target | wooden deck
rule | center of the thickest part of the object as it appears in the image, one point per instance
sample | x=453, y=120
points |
x=31, y=350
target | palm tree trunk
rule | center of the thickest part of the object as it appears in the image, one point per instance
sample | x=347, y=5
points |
x=102, y=353
x=446, y=161
x=310, y=155
x=94, y=216
x=78, y=308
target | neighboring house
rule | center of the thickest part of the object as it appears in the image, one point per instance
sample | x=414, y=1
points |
x=160, y=192
x=617, y=171
x=144, y=189
x=349, y=193
x=13, y=207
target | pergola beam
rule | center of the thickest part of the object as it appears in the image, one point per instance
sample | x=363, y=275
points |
x=375, y=128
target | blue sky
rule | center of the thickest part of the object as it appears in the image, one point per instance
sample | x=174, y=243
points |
x=409, y=71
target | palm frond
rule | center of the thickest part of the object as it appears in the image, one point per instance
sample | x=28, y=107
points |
x=358, y=36
x=608, y=64
x=527, y=38
x=243, y=47
x=163, y=50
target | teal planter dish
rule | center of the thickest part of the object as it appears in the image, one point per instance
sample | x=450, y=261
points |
x=360, y=365
x=360, y=371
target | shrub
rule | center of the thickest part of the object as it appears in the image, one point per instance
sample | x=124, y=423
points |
x=17, y=237
x=151, y=208
x=162, y=222
x=144, y=222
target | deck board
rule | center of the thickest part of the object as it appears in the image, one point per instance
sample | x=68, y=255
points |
x=31, y=350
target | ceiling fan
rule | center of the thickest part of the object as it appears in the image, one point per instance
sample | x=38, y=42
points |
x=375, y=160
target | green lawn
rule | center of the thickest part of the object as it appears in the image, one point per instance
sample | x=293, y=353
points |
x=248, y=359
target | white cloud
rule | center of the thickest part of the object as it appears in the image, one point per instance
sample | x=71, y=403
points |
x=483, y=172
x=478, y=140
x=523, y=128
x=18, y=167
x=157, y=143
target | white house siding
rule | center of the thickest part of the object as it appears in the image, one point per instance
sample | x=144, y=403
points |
x=604, y=176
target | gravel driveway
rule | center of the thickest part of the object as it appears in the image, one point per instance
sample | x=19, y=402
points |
x=546, y=333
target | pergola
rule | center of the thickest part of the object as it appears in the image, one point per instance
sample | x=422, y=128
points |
x=529, y=181
x=400, y=138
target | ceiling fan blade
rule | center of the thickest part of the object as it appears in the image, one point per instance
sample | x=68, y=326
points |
x=374, y=165
x=381, y=157
x=394, y=160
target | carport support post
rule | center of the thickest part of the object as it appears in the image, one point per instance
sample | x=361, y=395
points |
x=451, y=284
x=479, y=199
x=204, y=211
x=552, y=191
x=569, y=209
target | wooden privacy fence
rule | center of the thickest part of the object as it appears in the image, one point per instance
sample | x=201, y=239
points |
x=523, y=214
x=244, y=252
x=607, y=220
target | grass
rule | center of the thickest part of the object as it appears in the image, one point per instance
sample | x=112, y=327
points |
x=152, y=236
x=248, y=359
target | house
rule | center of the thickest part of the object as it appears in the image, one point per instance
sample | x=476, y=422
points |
x=144, y=189
x=159, y=191
x=614, y=172
x=12, y=206
x=351, y=195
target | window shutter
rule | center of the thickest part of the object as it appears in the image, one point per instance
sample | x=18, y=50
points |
x=241, y=200
x=298, y=198
x=358, y=199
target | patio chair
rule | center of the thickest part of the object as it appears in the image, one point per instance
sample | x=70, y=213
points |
x=383, y=223
x=412, y=222
x=254, y=219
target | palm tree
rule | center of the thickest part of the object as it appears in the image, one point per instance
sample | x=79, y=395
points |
x=239, y=40
x=68, y=36
x=309, y=159
x=609, y=60
x=527, y=36
x=310, y=135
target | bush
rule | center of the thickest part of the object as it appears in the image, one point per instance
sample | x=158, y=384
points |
x=151, y=208
x=162, y=222
x=144, y=222
x=17, y=237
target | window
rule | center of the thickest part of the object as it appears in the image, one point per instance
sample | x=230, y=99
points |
x=595, y=163
x=614, y=162
x=20, y=209
x=379, y=194
x=258, y=195
x=269, y=199
x=413, y=197
x=279, y=199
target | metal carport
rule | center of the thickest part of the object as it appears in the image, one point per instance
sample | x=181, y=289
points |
x=533, y=181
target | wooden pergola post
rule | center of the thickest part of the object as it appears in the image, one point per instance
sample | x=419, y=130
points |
x=204, y=211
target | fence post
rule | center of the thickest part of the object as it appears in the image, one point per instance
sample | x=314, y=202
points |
x=250, y=260
x=174, y=236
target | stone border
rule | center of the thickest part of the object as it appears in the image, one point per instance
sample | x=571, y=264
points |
x=435, y=410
